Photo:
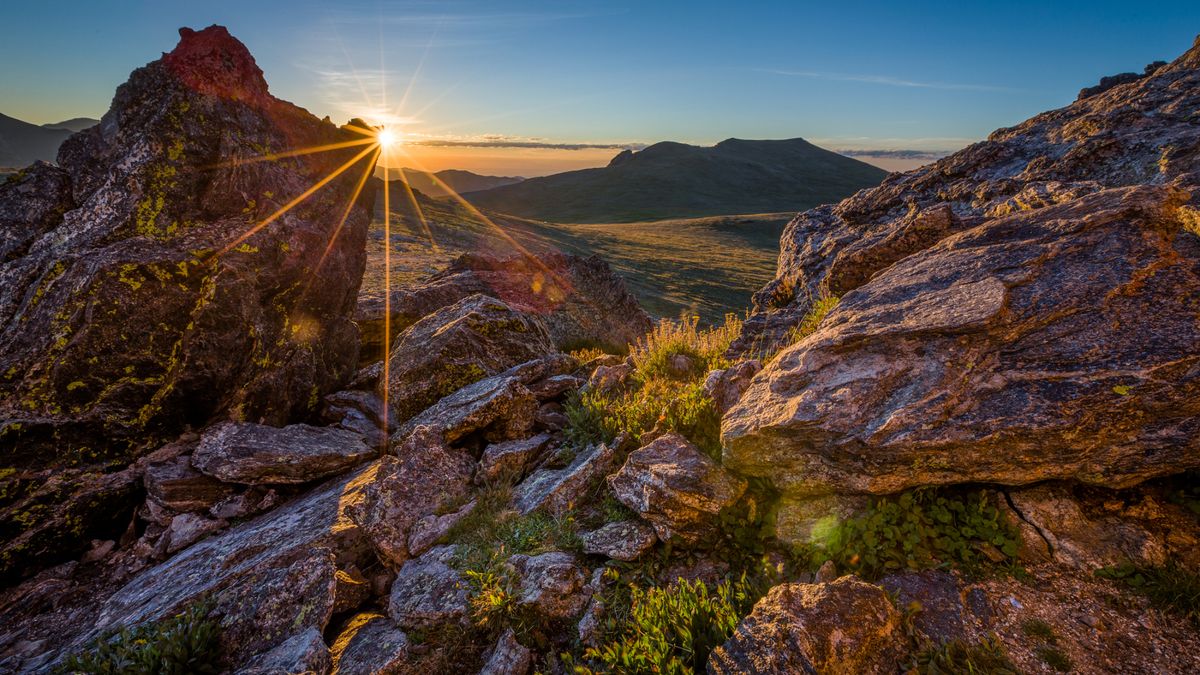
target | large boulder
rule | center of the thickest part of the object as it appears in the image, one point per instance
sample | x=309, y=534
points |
x=845, y=626
x=1056, y=343
x=458, y=345
x=255, y=454
x=1140, y=132
x=424, y=477
x=152, y=284
x=580, y=300
x=676, y=487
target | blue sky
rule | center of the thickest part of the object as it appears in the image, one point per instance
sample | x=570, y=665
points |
x=922, y=75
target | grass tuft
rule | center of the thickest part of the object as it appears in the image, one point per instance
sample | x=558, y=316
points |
x=1169, y=587
x=986, y=657
x=659, y=396
x=185, y=643
x=812, y=320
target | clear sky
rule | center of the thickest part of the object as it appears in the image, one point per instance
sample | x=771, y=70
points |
x=846, y=75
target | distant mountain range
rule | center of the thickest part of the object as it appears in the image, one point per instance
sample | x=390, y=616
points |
x=674, y=180
x=460, y=181
x=22, y=143
x=74, y=124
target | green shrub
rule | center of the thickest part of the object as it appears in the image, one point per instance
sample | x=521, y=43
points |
x=492, y=600
x=1170, y=587
x=668, y=630
x=185, y=643
x=812, y=320
x=705, y=346
x=917, y=530
x=958, y=657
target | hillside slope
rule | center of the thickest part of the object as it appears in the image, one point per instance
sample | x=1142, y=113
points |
x=22, y=143
x=674, y=180
x=434, y=183
x=702, y=266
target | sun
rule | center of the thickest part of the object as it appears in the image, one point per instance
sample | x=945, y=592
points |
x=387, y=138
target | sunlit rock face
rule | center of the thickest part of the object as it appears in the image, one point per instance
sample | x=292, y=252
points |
x=1027, y=309
x=1143, y=132
x=132, y=304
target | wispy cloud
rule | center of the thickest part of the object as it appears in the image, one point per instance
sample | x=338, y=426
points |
x=499, y=141
x=892, y=154
x=884, y=80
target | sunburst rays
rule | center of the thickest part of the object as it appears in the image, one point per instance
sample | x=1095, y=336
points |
x=378, y=145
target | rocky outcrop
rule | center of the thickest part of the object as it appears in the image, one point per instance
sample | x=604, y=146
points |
x=508, y=657
x=845, y=626
x=580, y=300
x=1132, y=134
x=499, y=408
x=423, y=477
x=1022, y=310
x=302, y=653
x=550, y=585
x=254, y=454
x=474, y=338
x=179, y=487
x=1053, y=343
x=675, y=487
x=32, y=203
x=144, y=289
x=726, y=386
x=510, y=459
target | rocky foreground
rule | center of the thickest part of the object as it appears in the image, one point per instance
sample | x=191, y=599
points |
x=958, y=434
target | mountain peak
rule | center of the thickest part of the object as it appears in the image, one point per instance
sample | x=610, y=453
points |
x=211, y=61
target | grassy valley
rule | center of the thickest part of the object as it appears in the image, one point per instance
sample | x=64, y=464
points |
x=704, y=266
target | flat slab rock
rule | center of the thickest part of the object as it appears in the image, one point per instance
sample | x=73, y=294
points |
x=269, y=577
x=255, y=454
x=555, y=490
x=626, y=540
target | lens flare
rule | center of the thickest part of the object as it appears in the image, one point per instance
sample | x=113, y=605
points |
x=387, y=138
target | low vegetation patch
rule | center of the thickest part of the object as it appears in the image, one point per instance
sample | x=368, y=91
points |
x=1169, y=587
x=1047, y=645
x=183, y=644
x=918, y=530
x=958, y=657
x=493, y=531
x=665, y=392
x=669, y=630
